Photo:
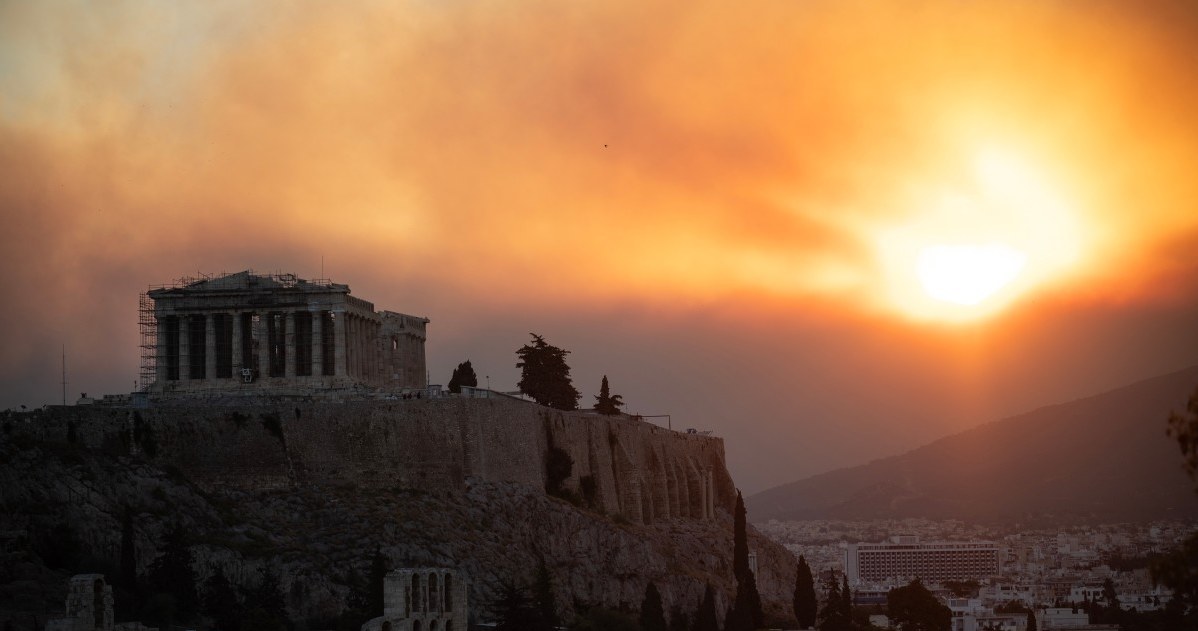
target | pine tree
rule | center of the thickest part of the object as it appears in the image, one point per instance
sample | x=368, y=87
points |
x=829, y=615
x=463, y=375
x=606, y=402
x=653, y=616
x=545, y=376
x=914, y=607
x=804, y=599
x=515, y=610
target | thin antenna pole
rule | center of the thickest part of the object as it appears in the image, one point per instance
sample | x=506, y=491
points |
x=64, y=374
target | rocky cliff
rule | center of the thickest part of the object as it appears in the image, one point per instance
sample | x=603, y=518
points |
x=312, y=489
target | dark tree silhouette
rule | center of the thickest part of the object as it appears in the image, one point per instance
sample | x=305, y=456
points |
x=171, y=573
x=128, y=575
x=1031, y=620
x=375, y=584
x=804, y=599
x=1178, y=570
x=705, y=618
x=463, y=375
x=746, y=611
x=543, y=598
x=679, y=620
x=831, y=616
x=125, y=587
x=221, y=603
x=558, y=465
x=515, y=610
x=265, y=607
x=606, y=402
x=653, y=615
x=914, y=608
x=545, y=376
x=846, y=600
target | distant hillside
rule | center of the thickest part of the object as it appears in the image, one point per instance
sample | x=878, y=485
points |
x=1105, y=457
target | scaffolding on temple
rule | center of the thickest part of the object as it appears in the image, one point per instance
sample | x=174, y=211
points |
x=147, y=325
x=147, y=322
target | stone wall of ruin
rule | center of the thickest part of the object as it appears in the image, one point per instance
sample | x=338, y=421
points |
x=641, y=471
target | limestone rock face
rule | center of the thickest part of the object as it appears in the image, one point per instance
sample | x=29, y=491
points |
x=311, y=490
x=622, y=465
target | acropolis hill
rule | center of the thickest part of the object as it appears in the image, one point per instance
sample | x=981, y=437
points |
x=639, y=471
x=309, y=473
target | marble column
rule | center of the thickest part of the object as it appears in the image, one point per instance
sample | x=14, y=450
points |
x=289, y=344
x=184, y=348
x=317, y=343
x=210, y=346
x=351, y=354
x=236, y=351
x=263, y=345
x=160, y=370
x=339, y=359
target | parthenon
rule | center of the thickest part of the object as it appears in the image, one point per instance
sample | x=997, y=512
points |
x=275, y=332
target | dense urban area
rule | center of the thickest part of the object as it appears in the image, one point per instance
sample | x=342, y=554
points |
x=1067, y=572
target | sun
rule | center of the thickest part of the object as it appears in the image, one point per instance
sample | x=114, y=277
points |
x=967, y=274
x=967, y=252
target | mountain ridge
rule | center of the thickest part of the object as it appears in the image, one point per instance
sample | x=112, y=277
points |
x=1105, y=456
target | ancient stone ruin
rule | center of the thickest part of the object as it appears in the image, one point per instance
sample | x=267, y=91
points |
x=274, y=334
x=422, y=599
x=89, y=608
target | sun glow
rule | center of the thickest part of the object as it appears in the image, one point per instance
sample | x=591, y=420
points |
x=967, y=274
x=973, y=252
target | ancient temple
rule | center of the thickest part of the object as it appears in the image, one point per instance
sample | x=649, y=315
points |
x=252, y=332
x=422, y=599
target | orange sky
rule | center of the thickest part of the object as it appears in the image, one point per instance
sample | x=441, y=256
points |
x=718, y=206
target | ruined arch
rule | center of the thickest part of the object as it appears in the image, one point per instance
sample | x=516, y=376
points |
x=98, y=602
x=434, y=596
x=417, y=594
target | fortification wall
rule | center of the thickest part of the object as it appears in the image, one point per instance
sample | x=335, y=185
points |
x=621, y=465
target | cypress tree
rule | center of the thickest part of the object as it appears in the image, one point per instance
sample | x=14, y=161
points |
x=171, y=572
x=679, y=620
x=375, y=583
x=705, y=619
x=746, y=612
x=221, y=603
x=606, y=402
x=804, y=599
x=846, y=600
x=463, y=375
x=653, y=616
x=544, y=601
